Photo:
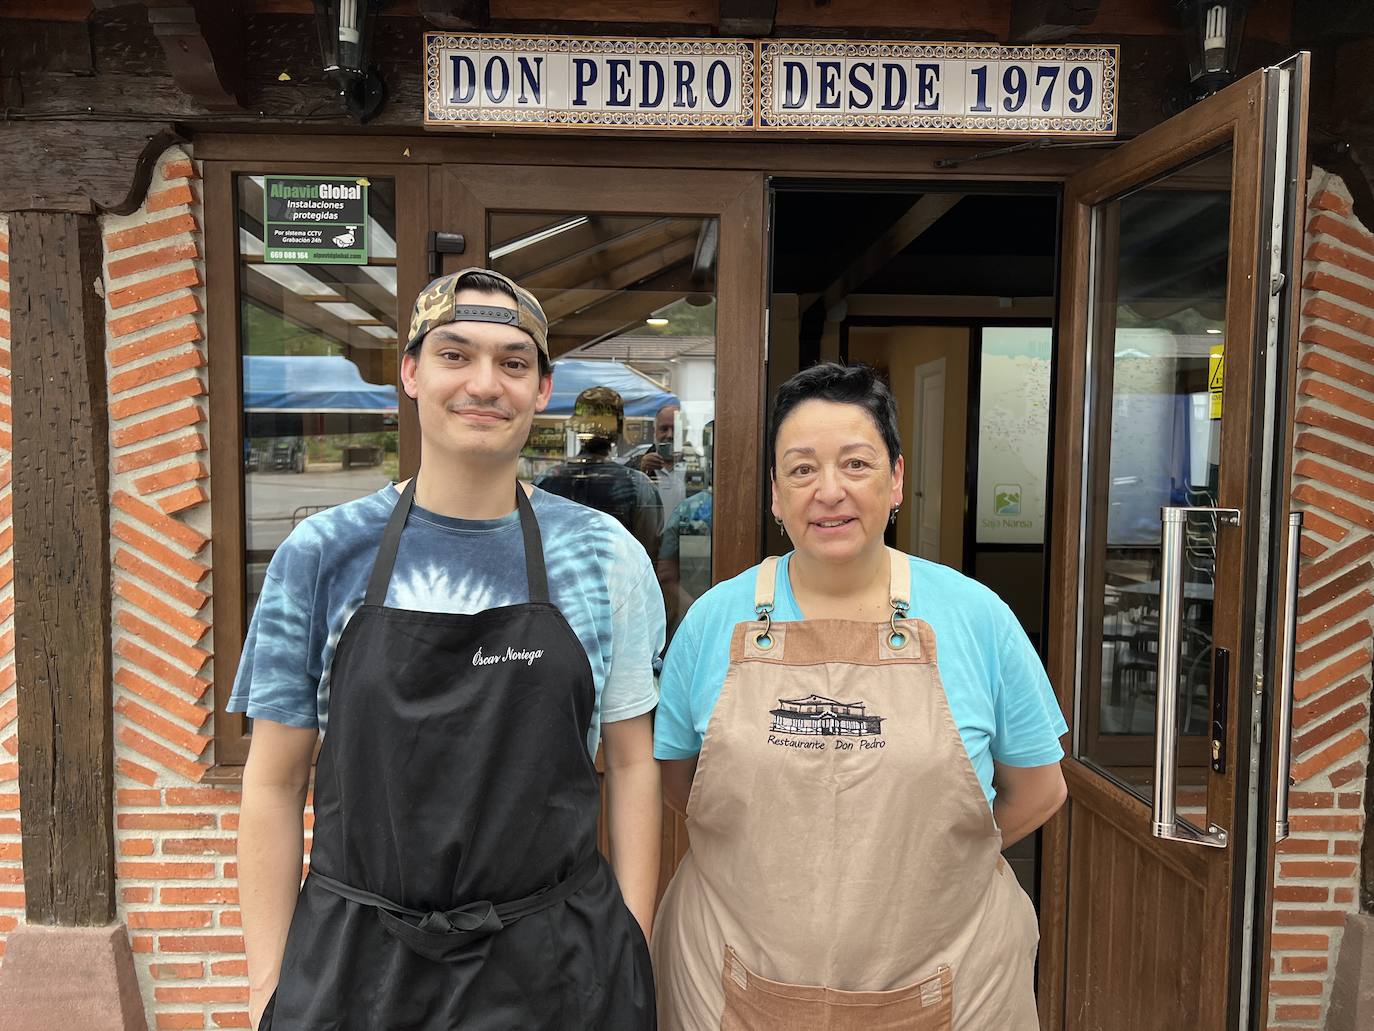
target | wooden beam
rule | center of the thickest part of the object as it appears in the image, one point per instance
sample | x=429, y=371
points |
x=747, y=17
x=1038, y=21
x=608, y=255
x=594, y=291
x=204, y=43
x=470, y=15
x=919, y=217
x=62, y=569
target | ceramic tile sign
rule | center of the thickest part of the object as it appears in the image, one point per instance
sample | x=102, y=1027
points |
x=313, y=219
x=938, y=88
x=775, y=86
x=580, y=82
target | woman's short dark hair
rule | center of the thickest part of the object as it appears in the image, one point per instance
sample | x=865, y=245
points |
x=486, y=284
x=844, y=384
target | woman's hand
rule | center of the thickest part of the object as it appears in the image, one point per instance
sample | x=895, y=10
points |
x=1027, y=796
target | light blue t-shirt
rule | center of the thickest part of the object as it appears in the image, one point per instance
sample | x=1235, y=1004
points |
x=599, y=578
x=996, y=686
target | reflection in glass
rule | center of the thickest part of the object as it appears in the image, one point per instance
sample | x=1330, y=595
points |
x=1157, y=339
x=320, y=368
x=1013, y=430
x=631, y=301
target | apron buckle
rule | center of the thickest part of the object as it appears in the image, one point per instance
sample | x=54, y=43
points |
x=764, y=640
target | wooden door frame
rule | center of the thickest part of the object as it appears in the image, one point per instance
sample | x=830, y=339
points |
x=1235, y=117
x=918, y=477
x=227, y=531
x=465, y=193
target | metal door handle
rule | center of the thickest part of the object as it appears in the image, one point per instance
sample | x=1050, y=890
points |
x=1290, y=637
x=1166, y=821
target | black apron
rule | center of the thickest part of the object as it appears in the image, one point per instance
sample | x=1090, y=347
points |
x=455, y=880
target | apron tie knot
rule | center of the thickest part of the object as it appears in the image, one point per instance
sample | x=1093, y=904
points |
x=474, y=918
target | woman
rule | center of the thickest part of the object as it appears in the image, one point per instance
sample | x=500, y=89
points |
x=833, y=724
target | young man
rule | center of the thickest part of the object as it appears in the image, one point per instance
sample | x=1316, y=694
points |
x=468, y=639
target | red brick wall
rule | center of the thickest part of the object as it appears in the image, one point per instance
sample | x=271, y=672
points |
x=1317, y=875
x=11, y=870
x=174, y=835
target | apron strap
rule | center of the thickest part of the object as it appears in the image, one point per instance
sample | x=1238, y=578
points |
x=535, y=573
x=765, y=585
x=899, y=583
x=443, y=935
x=391, y=542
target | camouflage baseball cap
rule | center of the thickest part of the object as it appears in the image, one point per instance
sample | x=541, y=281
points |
x=438, y=305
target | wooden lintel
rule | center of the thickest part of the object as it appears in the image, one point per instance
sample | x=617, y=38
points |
x=470, y=15
x=62, y=602
x=1038, y=21
x=203, y=40
x=747, y=17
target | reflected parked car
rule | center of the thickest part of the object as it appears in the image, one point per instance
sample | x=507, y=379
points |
x=289, y=453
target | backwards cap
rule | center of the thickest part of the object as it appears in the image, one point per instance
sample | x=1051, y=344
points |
x=438, y=305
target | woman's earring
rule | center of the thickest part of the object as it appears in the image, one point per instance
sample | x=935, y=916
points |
x=781, y=529
x=892, y=518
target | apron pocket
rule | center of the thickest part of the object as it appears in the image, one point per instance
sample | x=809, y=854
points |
x=754, y=1003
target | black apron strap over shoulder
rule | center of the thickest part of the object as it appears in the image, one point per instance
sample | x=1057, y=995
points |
x=535, y=572
x=391, y=543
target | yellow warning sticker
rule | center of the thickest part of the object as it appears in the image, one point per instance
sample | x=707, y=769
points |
x=1216, y=366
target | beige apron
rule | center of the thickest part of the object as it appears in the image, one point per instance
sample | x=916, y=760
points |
x=844, y=869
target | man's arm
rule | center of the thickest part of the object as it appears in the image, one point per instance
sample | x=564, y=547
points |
x=270, y=849
x=635, y=812
x=1027, y=796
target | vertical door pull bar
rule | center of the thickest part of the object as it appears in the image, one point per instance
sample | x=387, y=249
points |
x=1166, y=822
x=1290, y=634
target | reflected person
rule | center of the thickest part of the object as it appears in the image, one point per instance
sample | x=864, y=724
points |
x=593, y=478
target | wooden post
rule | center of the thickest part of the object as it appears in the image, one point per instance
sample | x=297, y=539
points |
x=62, y=569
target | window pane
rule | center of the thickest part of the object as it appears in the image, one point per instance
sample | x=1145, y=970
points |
x=1013, y=434
x=320, y=366
x=1160, y=279
x=631, y=301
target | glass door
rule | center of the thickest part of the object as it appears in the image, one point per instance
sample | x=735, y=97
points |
x=653, y=284
x=1179, y=248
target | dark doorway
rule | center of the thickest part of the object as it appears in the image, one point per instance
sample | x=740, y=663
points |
x=951, y=296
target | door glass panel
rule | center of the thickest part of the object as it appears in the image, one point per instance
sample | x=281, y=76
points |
x=631, y=301
x=1155, y=404
x=320, y=366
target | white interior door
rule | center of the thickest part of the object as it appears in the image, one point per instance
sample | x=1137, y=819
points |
x=930, y=453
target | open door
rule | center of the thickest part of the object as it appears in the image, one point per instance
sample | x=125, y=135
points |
x=653, y=282
x=1170, y=440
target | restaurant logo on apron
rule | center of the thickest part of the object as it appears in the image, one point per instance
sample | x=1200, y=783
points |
x=817, y=717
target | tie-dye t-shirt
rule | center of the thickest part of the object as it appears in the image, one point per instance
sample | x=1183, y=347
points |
x=599, y=577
